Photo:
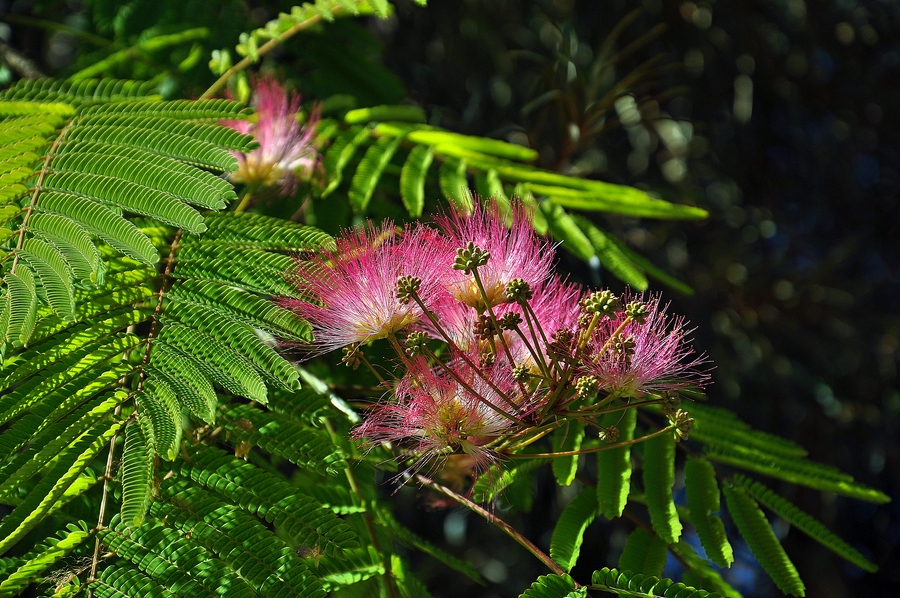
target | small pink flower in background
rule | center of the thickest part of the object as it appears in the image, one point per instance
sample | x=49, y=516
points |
x=515, y=252
x=285, y=148
x=350, y=291
x=648, y=356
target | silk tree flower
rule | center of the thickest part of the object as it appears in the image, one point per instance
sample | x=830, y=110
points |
x=647, y=356
x=514, y=252
x=432, y=415
x=284, y=146
x=350, y=292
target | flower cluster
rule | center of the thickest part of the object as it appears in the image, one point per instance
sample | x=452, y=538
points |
x=493, y=349
x=285, y=148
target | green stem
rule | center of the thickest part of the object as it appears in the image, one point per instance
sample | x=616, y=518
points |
x=245, y=200
x=595, y=449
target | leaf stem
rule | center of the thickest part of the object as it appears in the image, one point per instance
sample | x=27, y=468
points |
x=595, y=449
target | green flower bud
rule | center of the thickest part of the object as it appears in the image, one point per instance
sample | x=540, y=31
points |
x=610, y=434
x=470, y=257
x=587, y=386
x=518, y=290
x=637, y=311
x=407, y=287
x=604, y=303
x=521, y=373
x=484, y=327
x=509, y=321
x=415, y=343
x=352, y=356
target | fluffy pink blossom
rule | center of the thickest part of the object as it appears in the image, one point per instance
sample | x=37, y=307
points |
x=652, y=355
x=432, y=415
x=284, y=146
x=515, y=252
x=350, y=291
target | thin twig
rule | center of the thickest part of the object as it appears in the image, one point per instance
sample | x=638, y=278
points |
x=19, y=62
x=262, y=51
x=494, y=520
x=37, y=191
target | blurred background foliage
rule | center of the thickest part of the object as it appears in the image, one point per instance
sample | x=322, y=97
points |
x=781, y=118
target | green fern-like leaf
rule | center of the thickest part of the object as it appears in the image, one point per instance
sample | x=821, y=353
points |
x=239, y=539
x=173, y=561
x=796, y=470
x=44, y=556
x=703, y=501
x=340, y=153
x=160, y=411
x=659, y=478
x=804, y=522
x=240, y=305
x=565, y=439
x=266, y=495
x=626, y=583
x=700, y=572
x=554, y=586
x=611, y=256
x=369, y=171
x=305, y=447
x=124, y=580
x=44, y=495
x=755, y=529
x=644, y=553
x=563, y=228
x=455, y=185
x=565, y=545
x=412, y=179
x=614, y=466
x=137, y=475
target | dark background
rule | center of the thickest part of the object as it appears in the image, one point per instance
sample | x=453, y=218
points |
x=795, y=272
x=780, y=117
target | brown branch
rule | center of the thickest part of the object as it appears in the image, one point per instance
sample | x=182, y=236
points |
x=19, y=62
x=494, y=520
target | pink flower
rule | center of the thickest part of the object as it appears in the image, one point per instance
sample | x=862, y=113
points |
x=350, y=291
x=284, y=146
x=644, y=356
x=515, y=252
x=432, y=416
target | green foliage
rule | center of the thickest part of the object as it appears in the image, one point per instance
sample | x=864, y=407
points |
x=644, y=553
x=756, y=530
x=145, y=386
x=659, y=478
x=553, y=586
x=499, y=170
x=626, y=583
x=614, y=466
x=804, y=522
x=568, y=534
x=703, y=501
